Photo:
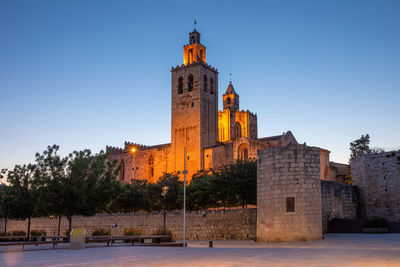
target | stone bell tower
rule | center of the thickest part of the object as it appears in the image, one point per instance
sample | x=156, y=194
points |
x=194, y=107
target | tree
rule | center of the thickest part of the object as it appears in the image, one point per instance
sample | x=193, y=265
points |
x=18, y=197
x=172, y=200
x=2, y=211
x=80, y=184
x=202, y=191
x=360, y=147
x=240, y=183
x=131, y=197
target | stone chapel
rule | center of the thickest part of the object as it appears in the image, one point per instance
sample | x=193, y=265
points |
x=212, y=137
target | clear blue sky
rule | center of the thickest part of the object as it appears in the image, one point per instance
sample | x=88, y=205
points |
x=86, y=74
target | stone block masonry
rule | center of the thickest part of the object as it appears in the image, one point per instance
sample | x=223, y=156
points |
x=339, y=201
x=289, y=194
x=237, y=224
x=378, y=178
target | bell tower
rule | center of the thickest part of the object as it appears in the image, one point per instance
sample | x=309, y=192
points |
x=194, y=107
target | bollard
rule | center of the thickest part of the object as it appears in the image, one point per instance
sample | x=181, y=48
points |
x=210, y=244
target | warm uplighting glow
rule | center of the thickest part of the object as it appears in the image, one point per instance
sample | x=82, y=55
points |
x=133, y=150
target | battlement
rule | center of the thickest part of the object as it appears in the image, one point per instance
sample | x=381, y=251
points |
x=179, y=67
x=114, y=150
x=128, y=145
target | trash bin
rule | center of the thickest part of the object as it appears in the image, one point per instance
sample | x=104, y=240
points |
x=77, y=239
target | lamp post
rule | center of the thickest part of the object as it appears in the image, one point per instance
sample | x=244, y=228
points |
x=184, y=196
x=164, y=194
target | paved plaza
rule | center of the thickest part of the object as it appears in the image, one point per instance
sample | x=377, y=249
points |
x=334, y=250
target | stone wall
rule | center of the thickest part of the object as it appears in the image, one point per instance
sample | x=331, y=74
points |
x=338, y=201
x=289, y=194
x=378, y=179
x=211, y=224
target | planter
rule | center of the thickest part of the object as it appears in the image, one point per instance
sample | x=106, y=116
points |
x=375, y=230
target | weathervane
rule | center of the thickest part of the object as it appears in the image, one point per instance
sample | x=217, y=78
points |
x=230, y=77
x=194, y=24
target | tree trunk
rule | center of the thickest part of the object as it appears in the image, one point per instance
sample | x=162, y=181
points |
x=5, y=226
x=29, y=227
x=59, y=225
x=69, y=224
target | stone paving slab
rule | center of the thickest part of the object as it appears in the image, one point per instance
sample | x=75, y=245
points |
x=334, y=250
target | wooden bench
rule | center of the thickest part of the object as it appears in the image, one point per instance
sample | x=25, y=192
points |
x=27, y=243
x=100, y=239
x=129, y=239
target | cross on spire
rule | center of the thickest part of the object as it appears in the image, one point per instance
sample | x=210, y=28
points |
x=230, y=77
x=194, y=23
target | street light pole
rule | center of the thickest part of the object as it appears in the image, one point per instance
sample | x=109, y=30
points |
x=164, y=195
x=184, y=197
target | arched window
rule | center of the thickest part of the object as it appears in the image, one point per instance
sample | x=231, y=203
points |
x=243, y=152
x=205, y=83
x=228, y=100
x=122, y=172
x=221, y=132
x=190, y=83
x=180, y=85
x=212, y=86
x=150, y=166
x=190, y=56
x=237, y=129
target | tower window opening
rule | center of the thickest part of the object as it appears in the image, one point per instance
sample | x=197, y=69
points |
x=212, y=86
x=190, y=56
x=190, y=83
x=228, y=100
x=180, y=85
x=205, y=83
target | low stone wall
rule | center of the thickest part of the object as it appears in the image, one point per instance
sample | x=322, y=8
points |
x=338, y=201
x=210, y=224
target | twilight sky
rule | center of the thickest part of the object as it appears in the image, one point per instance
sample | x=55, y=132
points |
x=86, y=74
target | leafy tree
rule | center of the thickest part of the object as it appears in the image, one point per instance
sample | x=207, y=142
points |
x=155, y=190
x=242, y=177
x=360, y=147
x=202, y=191
x=80, y=184
x=131, y=197
x=18, y=198
x=2, y=210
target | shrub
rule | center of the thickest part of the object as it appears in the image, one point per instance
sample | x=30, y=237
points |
x=161, y=231
x=376, y=222
x=101, y=232
x=17, y=233
x=133, y=231
x=38, y=232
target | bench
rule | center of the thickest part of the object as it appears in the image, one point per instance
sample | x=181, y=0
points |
x=100, y=239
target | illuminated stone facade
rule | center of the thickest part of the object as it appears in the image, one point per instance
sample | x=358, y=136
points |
x=212, y=138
